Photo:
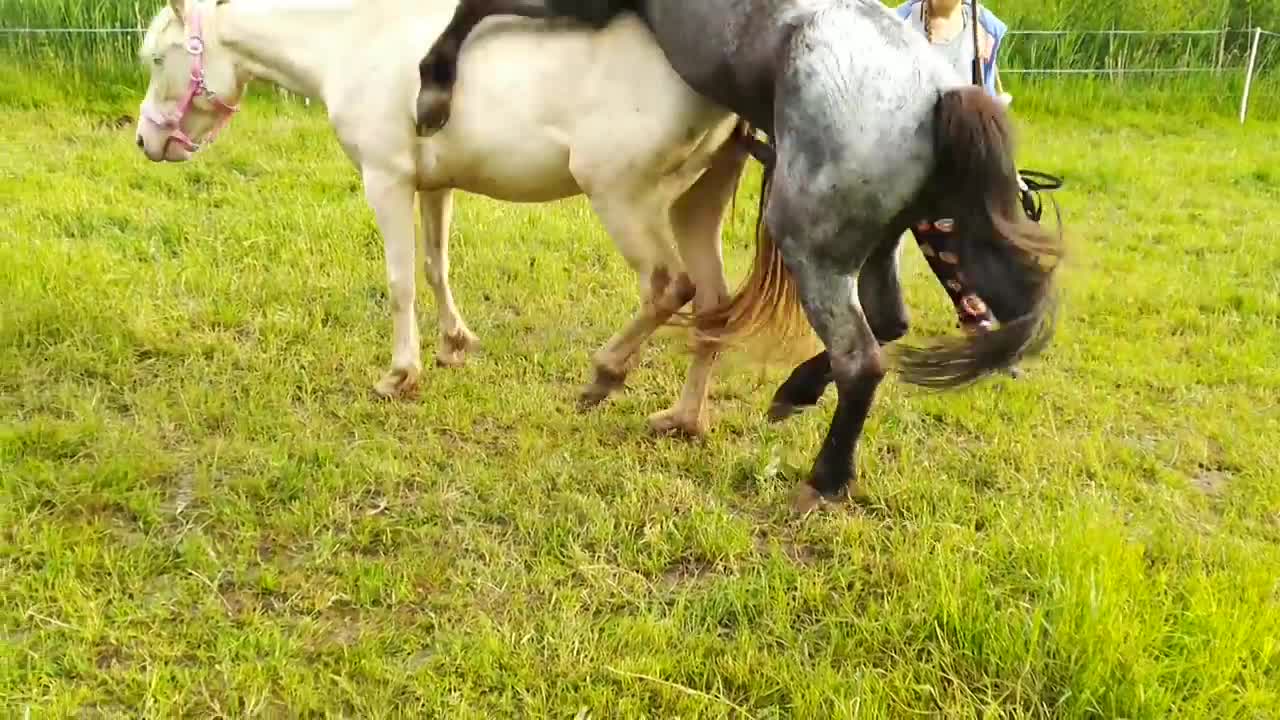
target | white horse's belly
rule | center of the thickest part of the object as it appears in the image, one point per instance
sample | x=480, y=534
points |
x=533, y=171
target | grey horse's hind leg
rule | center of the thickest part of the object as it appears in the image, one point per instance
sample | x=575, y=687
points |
x=880, y=294
x=803, y=388
x=438, y=69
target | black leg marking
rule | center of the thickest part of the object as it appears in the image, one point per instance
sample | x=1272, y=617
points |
x=438, y=70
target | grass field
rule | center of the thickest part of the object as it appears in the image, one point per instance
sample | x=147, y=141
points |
x=204, y=513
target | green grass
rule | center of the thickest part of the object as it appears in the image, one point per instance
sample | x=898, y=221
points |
x=204, y=513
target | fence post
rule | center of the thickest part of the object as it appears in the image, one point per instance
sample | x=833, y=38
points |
x=1248, y=73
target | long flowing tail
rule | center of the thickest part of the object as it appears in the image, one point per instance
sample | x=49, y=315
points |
x=767, y=301
x=1012, y=265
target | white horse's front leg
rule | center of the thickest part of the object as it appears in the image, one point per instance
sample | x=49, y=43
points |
x=392, y=201
x=456, y=340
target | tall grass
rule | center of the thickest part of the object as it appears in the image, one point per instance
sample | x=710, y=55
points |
x=77, y=13
x=1136, y=14
x=73, y=52
x=1143, y=69
x=1141, y=62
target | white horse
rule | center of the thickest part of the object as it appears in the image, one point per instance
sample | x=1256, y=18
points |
x=543, y=112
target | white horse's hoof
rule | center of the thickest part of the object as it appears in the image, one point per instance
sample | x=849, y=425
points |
x=398, y=384
x=677, y=422
x=607, y=382
x=454, y=348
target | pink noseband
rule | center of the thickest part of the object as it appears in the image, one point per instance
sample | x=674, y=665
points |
x=173, y=122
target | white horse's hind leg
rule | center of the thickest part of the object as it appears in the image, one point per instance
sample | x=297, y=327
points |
x=456, y=340
x=698, y=218
x=644, y=239
x=663, y=297
x=392, y=202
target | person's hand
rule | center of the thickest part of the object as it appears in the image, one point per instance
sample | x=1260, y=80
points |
x=986, y=45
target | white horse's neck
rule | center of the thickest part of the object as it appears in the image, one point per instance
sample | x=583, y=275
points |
x=291, y=43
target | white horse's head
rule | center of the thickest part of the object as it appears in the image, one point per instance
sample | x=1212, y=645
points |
x=194, y=83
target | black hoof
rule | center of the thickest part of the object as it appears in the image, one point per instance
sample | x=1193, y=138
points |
x=780, y=411
x=788, y=402
x=835, y=481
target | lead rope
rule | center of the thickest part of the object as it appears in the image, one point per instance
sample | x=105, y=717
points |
x=979, y=78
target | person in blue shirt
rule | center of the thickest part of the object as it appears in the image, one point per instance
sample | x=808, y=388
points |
x=948, y=25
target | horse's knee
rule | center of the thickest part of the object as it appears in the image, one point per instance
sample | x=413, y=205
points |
x=667, y=294
x=400, y=292
x=682, y=291
x=866, y=366
x=890, y=329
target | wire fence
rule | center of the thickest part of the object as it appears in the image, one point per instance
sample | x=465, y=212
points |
x=1235, y=55
x=1228, y=54
x=1106, y=52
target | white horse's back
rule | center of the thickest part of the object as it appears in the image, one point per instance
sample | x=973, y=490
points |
x=621, y=104
x=541, y=107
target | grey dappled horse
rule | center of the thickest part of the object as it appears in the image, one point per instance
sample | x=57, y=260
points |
x=870, y=134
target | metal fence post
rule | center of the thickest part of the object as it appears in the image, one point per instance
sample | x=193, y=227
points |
x=1248, y=73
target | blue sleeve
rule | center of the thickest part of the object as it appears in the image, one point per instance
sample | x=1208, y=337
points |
x=992, y=24
x=997, y=29
x=904, y=10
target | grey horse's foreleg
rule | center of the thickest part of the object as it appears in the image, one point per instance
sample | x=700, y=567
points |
x=880, y=294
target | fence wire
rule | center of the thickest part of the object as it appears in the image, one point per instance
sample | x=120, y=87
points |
x=1025, y=52
x=1123, y=52
x=1106, y=53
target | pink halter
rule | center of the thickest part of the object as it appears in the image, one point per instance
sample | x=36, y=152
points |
x=173, y=122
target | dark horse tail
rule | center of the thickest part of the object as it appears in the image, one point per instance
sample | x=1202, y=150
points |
x=1005, y=256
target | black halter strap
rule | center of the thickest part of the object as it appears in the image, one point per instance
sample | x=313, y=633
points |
x=1037, y=182
x=979, y=77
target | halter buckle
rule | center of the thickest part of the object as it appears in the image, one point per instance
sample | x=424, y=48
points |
x=1030, y=184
